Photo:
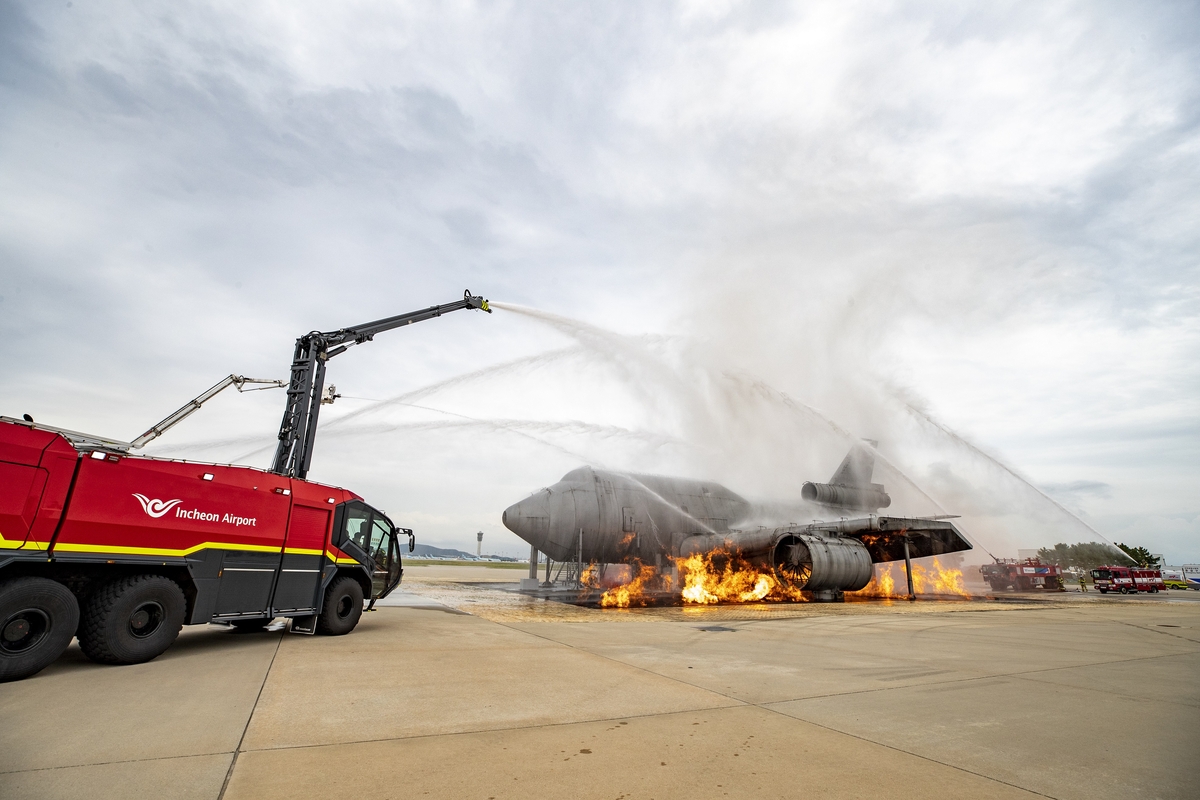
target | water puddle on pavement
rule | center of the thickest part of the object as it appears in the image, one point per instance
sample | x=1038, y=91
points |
x=499, y=601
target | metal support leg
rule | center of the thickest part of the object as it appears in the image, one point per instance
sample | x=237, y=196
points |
x=908, y=571
x=533, y=557
x=579, y=562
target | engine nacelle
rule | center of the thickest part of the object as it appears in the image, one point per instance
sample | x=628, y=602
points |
x=813, y=563
x=806, y=561
x=867, y=498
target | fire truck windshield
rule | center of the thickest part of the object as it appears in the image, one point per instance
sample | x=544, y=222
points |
x=1103, y=574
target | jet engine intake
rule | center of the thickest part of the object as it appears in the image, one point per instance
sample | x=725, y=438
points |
x=814, y=563
x=832, y=494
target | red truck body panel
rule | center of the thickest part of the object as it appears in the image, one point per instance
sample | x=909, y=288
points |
x=132, y=505
x=35, y=476
x=252, y=542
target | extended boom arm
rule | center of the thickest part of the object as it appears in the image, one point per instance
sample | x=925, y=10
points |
x=193, y=406
x=299, y=427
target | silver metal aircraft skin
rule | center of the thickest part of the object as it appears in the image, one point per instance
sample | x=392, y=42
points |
x=600, y=516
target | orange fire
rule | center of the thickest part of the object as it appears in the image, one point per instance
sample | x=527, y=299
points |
x=721, y=577
x=704, y=579
x=935, y=579
x=939, y=580
x=634, y=593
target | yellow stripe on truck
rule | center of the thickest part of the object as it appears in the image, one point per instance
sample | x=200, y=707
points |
x=14, y=544
x=71, y=547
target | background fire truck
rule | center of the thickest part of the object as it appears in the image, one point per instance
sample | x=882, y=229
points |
x=122, y=550
x=1127, y=579
x=1022, y=576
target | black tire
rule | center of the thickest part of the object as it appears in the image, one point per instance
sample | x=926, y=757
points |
x=132, y=620
x=1124, y=590
x=1104, y=591
x=250, y=625
x=342, y=609
x=38, y=618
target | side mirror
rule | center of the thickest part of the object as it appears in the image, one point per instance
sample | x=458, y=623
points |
x=412, y=540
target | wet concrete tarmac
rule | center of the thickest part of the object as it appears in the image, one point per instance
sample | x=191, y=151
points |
x=460, y=687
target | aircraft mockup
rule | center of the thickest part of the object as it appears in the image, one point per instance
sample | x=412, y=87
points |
x=600, y=516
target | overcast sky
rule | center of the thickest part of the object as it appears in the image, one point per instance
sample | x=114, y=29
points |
x=765, y=229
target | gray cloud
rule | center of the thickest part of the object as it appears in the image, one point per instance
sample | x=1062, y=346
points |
x=986, y=211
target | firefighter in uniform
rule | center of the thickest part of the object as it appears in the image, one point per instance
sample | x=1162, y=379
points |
x=1082, y=583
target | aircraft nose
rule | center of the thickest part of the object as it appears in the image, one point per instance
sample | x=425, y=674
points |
x=529, y=519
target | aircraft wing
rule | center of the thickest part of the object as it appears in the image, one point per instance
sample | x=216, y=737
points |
x=884, y=536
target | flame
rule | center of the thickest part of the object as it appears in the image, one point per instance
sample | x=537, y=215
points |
x=634, y=593
x=939, y=580
x=704, y=579
x=723, y=577
x=934, y=579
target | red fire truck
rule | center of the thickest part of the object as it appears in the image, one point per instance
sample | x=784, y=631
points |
x=1022, y=576
x=1128, y=579
x=121, y=550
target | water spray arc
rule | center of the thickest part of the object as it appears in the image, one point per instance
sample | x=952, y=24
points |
x=962, y=442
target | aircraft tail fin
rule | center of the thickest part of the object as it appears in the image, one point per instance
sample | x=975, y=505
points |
x=857, y=467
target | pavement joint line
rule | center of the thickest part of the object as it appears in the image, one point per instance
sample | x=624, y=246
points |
x=1155, y=630
x=825, y=727
x=266, y=674
x=109, y=763
x=506, y=729
x=1112, y=693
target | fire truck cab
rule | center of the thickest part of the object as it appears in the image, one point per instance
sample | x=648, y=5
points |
x=1128, y=579
x=122, y=550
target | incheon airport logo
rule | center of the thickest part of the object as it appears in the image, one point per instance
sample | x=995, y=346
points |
x=156, y=508
x=159, y=508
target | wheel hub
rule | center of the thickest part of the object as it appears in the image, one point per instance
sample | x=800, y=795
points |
x=23, y=630
x=146, y=619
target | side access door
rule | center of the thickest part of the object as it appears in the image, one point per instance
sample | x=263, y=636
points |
x=371, y=538
x=35, y=475
x=303, y=559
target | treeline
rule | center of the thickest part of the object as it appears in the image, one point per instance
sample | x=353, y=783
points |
x=1088, y=555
